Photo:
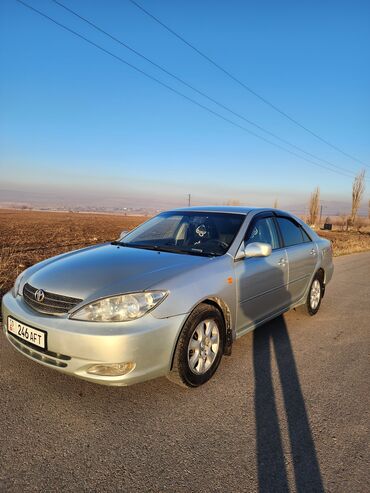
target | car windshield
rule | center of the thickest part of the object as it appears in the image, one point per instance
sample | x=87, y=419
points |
x=189, y=232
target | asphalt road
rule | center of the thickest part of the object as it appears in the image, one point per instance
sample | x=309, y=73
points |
x=287, y=412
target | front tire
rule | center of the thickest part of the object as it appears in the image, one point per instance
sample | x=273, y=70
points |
x=199, y=348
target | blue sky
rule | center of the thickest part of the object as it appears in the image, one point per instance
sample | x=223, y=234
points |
x=75, y=121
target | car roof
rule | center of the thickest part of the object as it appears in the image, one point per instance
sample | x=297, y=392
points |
x=222, y=208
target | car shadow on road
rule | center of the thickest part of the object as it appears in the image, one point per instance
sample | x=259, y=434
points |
x=272, y=472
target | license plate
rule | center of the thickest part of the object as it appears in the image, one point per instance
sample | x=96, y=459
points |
x=36, y=337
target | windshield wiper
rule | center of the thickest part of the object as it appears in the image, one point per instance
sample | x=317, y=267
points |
x=164, y=248
x=174, y=249
x=134, y=245
x=117, y=242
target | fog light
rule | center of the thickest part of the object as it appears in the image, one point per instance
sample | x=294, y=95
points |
x=111, y=369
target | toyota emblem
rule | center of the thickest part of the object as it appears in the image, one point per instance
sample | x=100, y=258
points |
x=39, y=295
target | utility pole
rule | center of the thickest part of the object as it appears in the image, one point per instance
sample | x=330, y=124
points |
x=320, y=214
x=189, y=199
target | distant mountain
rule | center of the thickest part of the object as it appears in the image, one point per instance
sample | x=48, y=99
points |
x=113, y=202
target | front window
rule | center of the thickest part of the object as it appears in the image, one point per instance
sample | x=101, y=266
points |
x=188, y=232
x=264, y=231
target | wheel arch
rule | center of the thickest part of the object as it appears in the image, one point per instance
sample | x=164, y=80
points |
x=225, y=311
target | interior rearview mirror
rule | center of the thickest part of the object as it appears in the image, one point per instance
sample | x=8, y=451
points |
x=255, y=249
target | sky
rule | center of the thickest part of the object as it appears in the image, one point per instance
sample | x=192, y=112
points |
x=78, y=124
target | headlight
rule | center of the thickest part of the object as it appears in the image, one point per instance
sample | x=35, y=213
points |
x=120, y=308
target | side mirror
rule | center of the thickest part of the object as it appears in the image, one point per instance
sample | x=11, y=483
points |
x=123, y=234
x=255, y=249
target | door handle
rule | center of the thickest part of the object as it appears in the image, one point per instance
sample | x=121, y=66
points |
x=313, y=252
x=282, y=262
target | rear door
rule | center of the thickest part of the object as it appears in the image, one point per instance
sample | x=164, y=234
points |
x=262, y=281
x=302, y=255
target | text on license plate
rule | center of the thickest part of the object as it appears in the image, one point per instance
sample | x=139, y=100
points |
x=36, y=337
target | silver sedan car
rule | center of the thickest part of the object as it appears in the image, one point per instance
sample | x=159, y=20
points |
x=168, y=298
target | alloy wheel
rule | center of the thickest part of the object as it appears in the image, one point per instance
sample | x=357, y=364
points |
x=203, y=346
x=315, y=294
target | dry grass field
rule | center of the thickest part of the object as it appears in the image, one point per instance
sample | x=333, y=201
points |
x=26, y=237
x=345, y=242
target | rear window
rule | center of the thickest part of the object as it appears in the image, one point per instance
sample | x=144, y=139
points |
x=293, y=233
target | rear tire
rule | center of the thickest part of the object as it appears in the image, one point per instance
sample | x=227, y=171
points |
x=199, y=348
x=314, y=296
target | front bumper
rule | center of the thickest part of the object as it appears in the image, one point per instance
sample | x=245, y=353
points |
x=73, y=346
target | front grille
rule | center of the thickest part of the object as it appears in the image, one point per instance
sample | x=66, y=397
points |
x=52, y=303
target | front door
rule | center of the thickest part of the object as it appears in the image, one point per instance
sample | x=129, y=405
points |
x=261, y=281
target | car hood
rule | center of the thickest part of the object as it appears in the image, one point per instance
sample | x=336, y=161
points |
x=108, y=269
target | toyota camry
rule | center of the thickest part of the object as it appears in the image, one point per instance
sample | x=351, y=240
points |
x=168, y=298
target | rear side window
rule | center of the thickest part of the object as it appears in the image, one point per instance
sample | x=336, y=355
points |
x=293, y=233
x=306, y=238
x=264, y=231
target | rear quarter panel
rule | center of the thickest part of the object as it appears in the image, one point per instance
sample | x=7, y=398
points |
x=326, y=257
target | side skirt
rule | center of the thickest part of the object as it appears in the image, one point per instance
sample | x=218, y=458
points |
x=254, y=325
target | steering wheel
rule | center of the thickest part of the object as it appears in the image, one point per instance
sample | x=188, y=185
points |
x=216, y=242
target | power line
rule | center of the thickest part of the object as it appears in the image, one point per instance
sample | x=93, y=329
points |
x=241, y=83
x=175, y=91
x=221, y=105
